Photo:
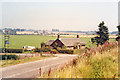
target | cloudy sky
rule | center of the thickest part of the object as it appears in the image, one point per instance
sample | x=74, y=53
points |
x=63, y=15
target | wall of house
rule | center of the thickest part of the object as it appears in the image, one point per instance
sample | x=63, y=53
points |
x=70, y=47
x=57, y=42
x=82, y=47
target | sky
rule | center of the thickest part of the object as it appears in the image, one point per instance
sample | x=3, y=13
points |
x=119, y=13
x=63, y=15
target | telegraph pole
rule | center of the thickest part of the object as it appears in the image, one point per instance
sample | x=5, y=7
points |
x=6, y=40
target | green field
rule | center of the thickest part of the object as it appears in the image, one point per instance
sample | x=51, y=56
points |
x=0, y=41
x=88, y=42
x=18, y=41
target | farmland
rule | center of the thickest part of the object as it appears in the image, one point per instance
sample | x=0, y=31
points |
x=18, y=41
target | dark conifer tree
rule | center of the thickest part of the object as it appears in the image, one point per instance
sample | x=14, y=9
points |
x=118, y=33
x=103, y=34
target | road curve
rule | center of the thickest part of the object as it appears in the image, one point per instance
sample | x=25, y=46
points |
x=31, y=69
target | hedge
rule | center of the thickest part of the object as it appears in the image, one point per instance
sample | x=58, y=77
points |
x=1, y=50
x=14, y=50
x=54, y=51
x=58, y=50
x=42, y=49
x=66, y=51
x=7, y=57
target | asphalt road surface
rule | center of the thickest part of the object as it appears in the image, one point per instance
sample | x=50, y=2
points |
x=31, y=69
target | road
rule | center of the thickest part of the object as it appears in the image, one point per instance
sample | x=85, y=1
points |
x=31, y=69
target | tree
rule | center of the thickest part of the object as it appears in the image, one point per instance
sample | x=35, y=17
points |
x=118, y=33
x=102, y=33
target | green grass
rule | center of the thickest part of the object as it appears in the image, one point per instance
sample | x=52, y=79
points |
x=0, y=41
x=88, y=42
x=18, y=41
x=6, y=63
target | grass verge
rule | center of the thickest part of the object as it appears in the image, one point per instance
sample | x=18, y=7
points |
x=6, y=63
x=98, y=65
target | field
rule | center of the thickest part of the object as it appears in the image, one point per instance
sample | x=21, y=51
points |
x=18, y=41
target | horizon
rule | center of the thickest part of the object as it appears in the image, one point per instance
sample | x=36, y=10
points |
x=65, y=16
x=59, y=30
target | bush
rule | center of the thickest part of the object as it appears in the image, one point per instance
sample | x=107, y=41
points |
x=42, y=50
x=14, y=50
x=75, y=47
x=6, y=57
x=46, y=49
x=42, y=44
x=2, y=50
x=66, y=51
x=37, y=50
x=54, y=51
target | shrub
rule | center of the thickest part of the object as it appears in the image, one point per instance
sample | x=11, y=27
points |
x=2, y=50
x=42, y=50
x=46, y=49
x=54, y=51
x=14, y=50
x=75, y=47
x=15, y=57
x=42, y=44
x=37, y=50
x=66, y=51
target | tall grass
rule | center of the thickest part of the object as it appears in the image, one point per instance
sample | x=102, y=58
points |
x=98, y=64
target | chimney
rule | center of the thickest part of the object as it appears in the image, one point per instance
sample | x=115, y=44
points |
x=77, y=36
x=58, y=36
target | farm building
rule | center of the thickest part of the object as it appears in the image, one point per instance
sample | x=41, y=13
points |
x=70, y=43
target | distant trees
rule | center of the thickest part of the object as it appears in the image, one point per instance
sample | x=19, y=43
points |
x=12, y=31
x=55, y=30
x=118, y=33
x=102, y=33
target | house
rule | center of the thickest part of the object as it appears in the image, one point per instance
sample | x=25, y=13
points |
x=70, y=43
